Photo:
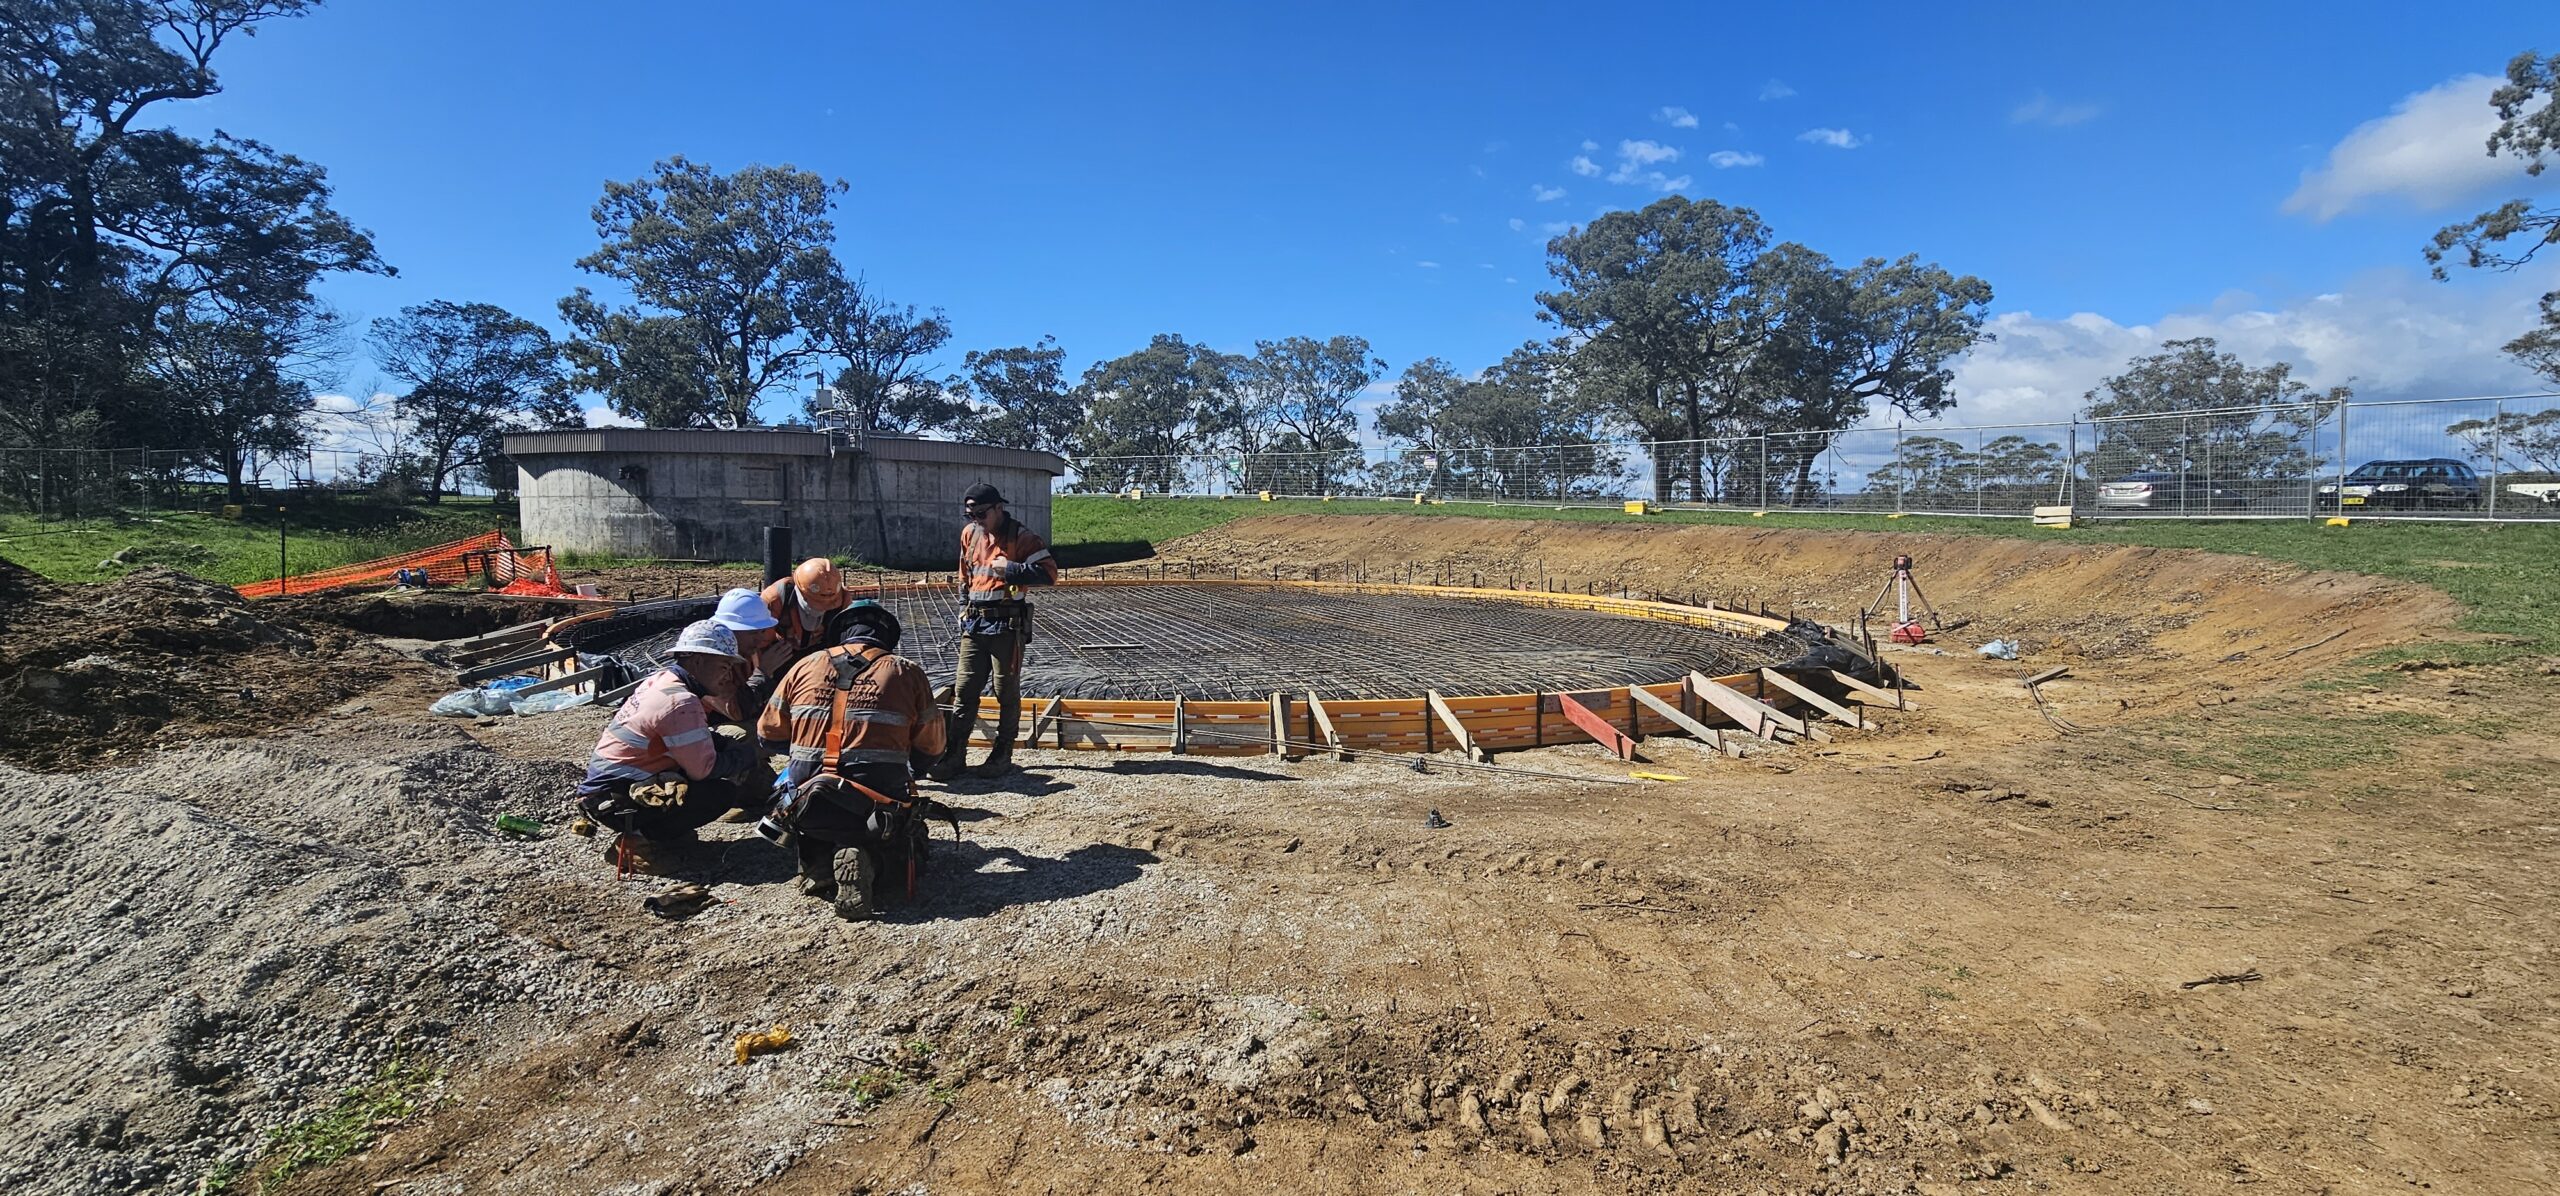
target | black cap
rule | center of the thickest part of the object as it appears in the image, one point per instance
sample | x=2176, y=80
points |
x=867, y=622
x=982, y=495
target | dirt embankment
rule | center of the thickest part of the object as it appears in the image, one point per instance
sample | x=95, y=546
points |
x=2146, y=611
x=89, y=673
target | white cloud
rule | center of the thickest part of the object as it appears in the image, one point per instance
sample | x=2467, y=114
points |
x=1446, y=218
x=1545, y=194
x=1646, y=153
x=1835, y=138
x=1636, y=160
x=2045, y=110
x=1584, y=166
x=1678, y=118
x=1589, y=145
x=1428, y=265
x=2391, y=335
x=1731, y=127
x=1775, y=90
x=1518, y=224
x=601, y=416
x=1484, y=265
x=1507, y=278
x=1556, y=228
x=1728, y=159
x=2431, y=151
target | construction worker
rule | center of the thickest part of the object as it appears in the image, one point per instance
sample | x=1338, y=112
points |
x=743, y=612
x=660, y=769
x=999, y=558
x=859, y=720
x=799, y=606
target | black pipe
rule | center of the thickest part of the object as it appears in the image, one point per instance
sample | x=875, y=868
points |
x=777, y=554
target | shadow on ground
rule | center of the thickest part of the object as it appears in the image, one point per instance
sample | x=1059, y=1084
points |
x=971, y=880
x=1177, y=768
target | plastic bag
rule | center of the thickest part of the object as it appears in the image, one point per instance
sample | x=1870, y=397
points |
x=472, y=703
x=1999, y=650
x=545, y=703
x=506, y=685
x=461, y=703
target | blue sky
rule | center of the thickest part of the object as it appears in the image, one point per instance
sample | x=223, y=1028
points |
x=1230, y=173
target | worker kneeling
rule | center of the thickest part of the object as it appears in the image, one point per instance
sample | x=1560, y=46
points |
x=860, y=720
x=661, y=769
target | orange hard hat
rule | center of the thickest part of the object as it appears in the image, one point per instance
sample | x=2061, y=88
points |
x=817, y=578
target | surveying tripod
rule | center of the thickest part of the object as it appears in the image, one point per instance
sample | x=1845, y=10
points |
x=1902, y=589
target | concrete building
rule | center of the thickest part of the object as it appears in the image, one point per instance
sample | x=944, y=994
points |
x=708, y=495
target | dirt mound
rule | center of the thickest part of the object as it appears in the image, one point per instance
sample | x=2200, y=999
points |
x=90, y=671
x=203, y=946
x=2144, y=611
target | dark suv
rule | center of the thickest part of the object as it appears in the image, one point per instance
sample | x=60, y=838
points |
x=2401, y=485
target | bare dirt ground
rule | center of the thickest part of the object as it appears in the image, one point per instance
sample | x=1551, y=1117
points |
x=1952, y=953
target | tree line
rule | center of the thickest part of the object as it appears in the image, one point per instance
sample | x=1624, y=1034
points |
x=159, y=290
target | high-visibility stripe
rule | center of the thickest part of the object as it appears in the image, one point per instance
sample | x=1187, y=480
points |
x=812, y=711
x=807, y=753
x=992, y=596
x=886, y=718
x=682, y=738
x=1037, y=557
x=873, y=756
x=626, y=735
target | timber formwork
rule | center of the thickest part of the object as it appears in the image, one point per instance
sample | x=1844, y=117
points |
x=1235, y=667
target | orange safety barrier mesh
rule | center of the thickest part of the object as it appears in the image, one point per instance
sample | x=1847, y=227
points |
x=455, y=563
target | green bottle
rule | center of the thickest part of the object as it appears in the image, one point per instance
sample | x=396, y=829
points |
x=518, y=824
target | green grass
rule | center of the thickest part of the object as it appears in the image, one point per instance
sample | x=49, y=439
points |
x=350, y=1125
x=2506, y=575
x=237, y=551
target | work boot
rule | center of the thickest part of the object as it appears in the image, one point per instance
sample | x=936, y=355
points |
x=998, y=762
x=854, y=874
x=955, y=753
x=817, y=876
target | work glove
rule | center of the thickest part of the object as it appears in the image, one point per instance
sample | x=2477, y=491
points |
x=662, y=791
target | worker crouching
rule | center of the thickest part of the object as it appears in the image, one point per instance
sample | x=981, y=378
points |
x=860, y=721
x=661, y=769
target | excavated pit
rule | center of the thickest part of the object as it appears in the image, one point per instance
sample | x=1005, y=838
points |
x=1245, y=642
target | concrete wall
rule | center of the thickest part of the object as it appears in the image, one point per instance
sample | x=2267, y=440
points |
x=708, y=495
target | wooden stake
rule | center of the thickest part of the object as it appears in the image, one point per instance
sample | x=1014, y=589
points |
x=1181, y=733
x=1280, y=725
x=1752, y=715
x=1679, y=718
x=1881, y=697
x=1596, y=725
x=1324, y=726
x=1837, y=711
x=1048, y=710
x=1457, y=729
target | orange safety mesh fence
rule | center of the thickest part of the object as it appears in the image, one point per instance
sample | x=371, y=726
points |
x=456, y=563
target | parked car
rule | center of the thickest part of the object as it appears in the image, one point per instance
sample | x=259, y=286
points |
x=2160, y=490
x=2404, y=485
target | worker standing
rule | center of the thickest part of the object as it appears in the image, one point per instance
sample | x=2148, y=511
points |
x=999, y=559
x=661, y=770
x=859, y=720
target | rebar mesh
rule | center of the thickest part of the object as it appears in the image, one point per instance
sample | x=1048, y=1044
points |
x=1157, y=641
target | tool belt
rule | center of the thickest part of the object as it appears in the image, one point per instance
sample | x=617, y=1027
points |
x=997, y=618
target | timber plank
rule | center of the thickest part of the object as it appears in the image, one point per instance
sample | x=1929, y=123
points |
x=1803, y=694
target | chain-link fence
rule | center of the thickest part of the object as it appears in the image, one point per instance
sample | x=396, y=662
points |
x=2469, y=458
x=87, y=481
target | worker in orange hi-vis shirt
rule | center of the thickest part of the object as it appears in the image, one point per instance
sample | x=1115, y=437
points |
x=999, y=559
